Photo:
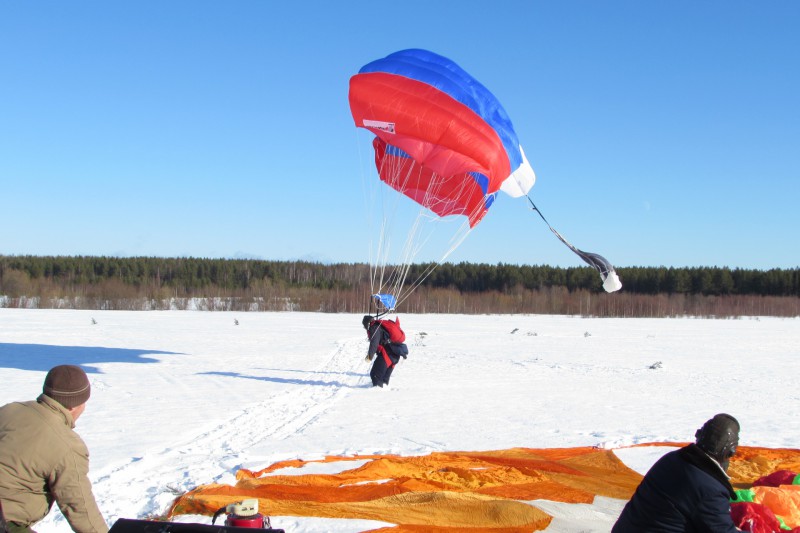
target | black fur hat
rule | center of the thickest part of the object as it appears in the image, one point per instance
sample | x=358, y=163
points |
x=366, y=321
x=719, y=437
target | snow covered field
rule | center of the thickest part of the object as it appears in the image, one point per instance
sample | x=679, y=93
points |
x=183, y=398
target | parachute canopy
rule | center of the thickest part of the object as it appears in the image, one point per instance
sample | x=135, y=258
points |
x=444, y=141
x=441, y=138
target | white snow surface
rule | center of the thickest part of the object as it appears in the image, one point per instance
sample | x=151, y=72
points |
x=185, y=398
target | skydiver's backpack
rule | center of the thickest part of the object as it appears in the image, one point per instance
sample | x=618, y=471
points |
x=397, y=337
x=392, y=327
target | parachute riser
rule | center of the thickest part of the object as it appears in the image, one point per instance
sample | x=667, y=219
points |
x=611, y=282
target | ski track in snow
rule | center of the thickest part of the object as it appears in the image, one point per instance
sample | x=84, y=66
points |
x=218, y=450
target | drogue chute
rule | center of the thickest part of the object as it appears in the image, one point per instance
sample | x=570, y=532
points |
x=442, y=140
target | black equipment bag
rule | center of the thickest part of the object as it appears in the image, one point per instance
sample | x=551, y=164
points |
x=125, y=525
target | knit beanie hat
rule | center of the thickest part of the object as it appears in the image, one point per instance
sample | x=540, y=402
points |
x=68, y=385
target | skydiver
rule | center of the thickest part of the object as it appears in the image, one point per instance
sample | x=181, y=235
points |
x=386, y=347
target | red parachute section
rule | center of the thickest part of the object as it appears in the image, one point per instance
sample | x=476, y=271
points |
x=444, y=194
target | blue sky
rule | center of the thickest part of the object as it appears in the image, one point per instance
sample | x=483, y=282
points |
x=662, y=133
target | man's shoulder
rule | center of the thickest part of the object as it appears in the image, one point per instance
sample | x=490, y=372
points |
x=41, y=418
x=15, y=410
x=705, y=470
x=17, y=405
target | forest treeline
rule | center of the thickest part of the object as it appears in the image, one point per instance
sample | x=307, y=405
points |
x=87, y=282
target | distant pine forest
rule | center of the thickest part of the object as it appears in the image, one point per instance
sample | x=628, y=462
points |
x=152, y=283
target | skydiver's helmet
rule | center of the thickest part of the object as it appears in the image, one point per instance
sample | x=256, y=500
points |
x=366, y=321
x=719, y=438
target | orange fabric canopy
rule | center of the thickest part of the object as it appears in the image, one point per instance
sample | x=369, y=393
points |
x=445, y=492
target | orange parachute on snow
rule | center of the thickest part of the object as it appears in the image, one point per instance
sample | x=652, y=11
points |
x=449, y=492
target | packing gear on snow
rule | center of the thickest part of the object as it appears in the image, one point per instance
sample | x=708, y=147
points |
x=243, y=514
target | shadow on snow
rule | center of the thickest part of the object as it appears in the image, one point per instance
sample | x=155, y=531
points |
x=44, y=356
x=292, y=381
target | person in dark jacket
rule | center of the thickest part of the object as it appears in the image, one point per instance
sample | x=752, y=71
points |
x=386, y=354
x=43, y=460
x=687, y=490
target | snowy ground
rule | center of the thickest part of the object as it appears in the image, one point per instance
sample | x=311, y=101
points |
x=181, y=399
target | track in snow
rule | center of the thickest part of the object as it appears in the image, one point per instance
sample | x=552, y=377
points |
x=216, y=453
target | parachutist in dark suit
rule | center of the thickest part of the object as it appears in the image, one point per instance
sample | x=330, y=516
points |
x=687, y=490
x=386, y=347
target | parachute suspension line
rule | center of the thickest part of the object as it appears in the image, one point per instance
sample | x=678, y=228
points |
x=416, y=240
x=395, y=277
x=369, y=198
x=430, y=268
x=390, y=268
x=377, y=245
x=414, y=243
x=379, y=270
x=408, y=251
x=455, y=242
x=383, y=273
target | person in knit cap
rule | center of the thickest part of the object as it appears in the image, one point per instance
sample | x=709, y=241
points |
x=43, y=460
x=688, y=489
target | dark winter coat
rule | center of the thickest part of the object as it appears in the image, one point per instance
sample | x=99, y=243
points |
x=685, y=491
x=385, y=353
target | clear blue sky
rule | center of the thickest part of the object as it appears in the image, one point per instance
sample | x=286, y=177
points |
x=662, y=133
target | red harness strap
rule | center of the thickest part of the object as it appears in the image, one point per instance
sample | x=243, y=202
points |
x=386, y=358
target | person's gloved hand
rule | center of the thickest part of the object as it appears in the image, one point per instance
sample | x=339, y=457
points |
x=368, y=358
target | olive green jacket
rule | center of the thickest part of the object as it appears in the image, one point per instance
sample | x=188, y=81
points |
x=43, y=460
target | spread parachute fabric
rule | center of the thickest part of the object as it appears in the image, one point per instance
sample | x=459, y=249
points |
x=778, y=478
x=458, y=194
x=449, y=492
x=754, y=517
x=783, y=500
x=771, y=494
x=444, y=492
